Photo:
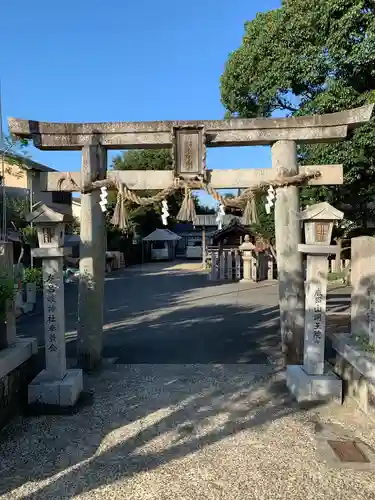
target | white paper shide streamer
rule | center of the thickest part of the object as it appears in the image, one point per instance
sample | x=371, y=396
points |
x=220, y=216
x=270, y=199
x=164, y=212
x=103, y=198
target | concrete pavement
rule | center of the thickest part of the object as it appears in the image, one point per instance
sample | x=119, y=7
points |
x=156, y=314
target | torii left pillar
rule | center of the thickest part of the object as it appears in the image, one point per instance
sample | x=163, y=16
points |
x=92, y=259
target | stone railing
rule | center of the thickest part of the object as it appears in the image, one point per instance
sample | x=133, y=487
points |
x=228, y=266
x=335, y=267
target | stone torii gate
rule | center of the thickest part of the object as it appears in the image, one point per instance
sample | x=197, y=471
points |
x=188, y=140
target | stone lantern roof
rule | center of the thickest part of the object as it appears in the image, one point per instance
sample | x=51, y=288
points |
x=321, y=211
x=43, y=213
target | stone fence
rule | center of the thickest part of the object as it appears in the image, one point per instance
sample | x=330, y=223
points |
x=227, y=265
x=338, y=266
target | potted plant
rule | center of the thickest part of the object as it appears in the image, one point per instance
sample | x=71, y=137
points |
x=6, y=295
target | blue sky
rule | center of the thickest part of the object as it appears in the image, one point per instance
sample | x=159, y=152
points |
x=122, y=60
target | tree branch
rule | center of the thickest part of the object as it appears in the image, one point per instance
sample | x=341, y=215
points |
x=285, y=105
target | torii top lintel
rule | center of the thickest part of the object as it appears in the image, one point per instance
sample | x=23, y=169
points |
x=158, y=134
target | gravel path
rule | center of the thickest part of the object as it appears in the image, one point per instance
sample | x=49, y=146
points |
x=180, y=432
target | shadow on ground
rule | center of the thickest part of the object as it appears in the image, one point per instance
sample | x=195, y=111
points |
x=197, y=334
x=144, y=417
x=175, y=317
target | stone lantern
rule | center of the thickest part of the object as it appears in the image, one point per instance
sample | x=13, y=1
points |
x=55, y=385
x=318, y=223
x=249, y=261
x=50, y=227
x=313, y=380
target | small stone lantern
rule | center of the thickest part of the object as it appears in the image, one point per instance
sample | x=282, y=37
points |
x=50, y=226
x=249, y=261
x=55, y=385
x=314, y=381
x=318, y=223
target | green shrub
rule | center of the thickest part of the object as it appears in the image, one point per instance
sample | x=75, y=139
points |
x=6, y=292
x=363, y=341
x=34, y=275
x=336, y=276
x=30, y=236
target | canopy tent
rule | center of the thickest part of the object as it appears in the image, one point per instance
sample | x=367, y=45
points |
x=161, y=245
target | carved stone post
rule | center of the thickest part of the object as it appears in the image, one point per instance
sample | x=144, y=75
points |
x=289, y=259
x=213, y=273
x=221, y=265
x=255, y=264
x=270, y=267
x=56, y=385
x=92, y=260
x=204, y=248
x=230, y=265
x=238, y=266
x=338, y=256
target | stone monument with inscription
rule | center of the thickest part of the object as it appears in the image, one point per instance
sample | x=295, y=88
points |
x=313, y=380
x=363, y=287
x=55, y=385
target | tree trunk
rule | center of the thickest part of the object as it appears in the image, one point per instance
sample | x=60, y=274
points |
x=22, y=253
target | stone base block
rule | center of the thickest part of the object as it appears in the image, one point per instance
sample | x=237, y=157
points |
x=62, y=393
x=305, y=387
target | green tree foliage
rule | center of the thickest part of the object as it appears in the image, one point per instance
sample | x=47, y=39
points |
x=14, y=152
x=266, y=226
x=144, y=159
x=306, y=58
x=17, y=210
x=203, y=209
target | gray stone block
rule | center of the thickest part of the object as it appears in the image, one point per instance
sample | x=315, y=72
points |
x=363, y=362
x=62, y=393
x=305, y=387
x=14, y=356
